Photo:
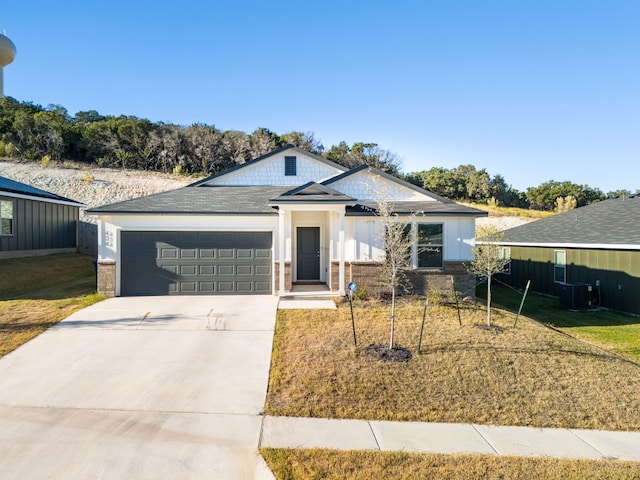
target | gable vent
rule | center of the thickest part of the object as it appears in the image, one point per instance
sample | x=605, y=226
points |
x=290, y=166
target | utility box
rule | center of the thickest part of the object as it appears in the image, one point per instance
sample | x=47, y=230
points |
x=575, y=296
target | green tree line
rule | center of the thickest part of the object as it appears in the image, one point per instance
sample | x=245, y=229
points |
x=468, y=184
x=30, y=131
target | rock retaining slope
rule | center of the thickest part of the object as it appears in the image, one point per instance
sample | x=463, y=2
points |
x=91, y=185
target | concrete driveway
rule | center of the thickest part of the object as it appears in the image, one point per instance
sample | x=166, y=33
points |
x=141, y=388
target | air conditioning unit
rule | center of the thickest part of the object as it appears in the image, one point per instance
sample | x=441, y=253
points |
x=576, y=296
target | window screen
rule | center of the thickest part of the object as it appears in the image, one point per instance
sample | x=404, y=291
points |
x=430, y=245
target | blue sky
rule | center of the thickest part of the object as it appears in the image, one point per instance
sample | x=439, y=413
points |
x=532, y=90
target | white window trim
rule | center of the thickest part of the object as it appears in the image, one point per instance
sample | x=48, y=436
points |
x=416, y=246
x=563, y=265
x=13, y=223
x=505, y=253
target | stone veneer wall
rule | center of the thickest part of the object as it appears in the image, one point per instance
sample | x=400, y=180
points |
x=287, y=276
x=107, y=278
x=367, y=276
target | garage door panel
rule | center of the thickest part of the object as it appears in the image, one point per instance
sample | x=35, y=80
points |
x=207, y=287
x=171, y=263
x=226, y=287
x=263, y=287
x=168, y=252
x=188, y=270
x=263, y=269
x=207, y=270
x=244, y=287
x=188, y=253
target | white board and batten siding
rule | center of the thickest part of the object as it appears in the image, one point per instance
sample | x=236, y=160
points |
x=363, y=240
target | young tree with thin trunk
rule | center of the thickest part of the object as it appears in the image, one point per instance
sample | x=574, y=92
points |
x=489, y=258
x=396, y=236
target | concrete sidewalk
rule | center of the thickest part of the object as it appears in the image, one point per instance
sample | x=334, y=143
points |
x=289, y=432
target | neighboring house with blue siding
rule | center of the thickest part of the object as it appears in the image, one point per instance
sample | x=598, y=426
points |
x=36, y=222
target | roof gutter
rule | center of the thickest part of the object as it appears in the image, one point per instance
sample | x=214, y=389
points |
x=595, y=246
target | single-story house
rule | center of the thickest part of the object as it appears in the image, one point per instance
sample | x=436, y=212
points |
x=285, y=218
x=597, y=245
x=36, y=222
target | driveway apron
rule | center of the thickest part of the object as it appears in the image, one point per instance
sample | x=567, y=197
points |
x=141, y=388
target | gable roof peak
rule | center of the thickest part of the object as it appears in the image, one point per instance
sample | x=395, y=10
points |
x=276, y=152
x=387, y=176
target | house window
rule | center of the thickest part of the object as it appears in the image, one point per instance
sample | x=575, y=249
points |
x=6, y=217
x=560, y=266
x=504, y=253
x=430, y=243
x=290, y=166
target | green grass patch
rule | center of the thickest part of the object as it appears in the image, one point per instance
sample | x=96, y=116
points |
x=529, y=375
x=512, y=211
x=363, y=465
x=612, y=330
x=38, y=292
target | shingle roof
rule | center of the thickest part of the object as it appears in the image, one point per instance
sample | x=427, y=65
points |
x=11, y=186
x=315, y=193
x=613, y=223
x=392, y=178
x=426, y=208
x=218, y=200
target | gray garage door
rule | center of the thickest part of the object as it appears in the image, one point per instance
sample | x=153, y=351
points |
x=195, y=263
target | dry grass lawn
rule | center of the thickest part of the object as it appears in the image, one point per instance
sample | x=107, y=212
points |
x=530, y=376
x=38, y=292
x=339, y=465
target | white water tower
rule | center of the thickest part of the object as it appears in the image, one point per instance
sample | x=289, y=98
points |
x=7, y=54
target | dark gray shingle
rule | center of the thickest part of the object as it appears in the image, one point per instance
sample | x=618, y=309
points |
x=220, y=200
x=610, y=222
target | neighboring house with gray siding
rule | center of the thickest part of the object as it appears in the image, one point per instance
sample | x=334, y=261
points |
x=286, y=218
x=598, y=245
x=35, y=222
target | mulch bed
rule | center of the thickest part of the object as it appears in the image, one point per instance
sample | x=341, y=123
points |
x=386, y=354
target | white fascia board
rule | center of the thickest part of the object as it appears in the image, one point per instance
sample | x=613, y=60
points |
x=310, y=207
x=40, y=199
x=192, y=222
x=595, y=246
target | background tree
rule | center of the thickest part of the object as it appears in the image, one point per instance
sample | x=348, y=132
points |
x=543, y=197
x=565, y=204
x=623, y=192
x=489, y=258
x=30, y=131
x=305, y=141
x=364, y=154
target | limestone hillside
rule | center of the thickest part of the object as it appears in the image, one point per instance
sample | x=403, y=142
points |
x=100, y=186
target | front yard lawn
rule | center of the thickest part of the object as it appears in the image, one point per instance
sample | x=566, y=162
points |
x=529, y=376
x=612, y=330
x=38, y=292
x=360, y=465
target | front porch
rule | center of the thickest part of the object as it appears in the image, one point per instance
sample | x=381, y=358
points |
x=311, y=239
